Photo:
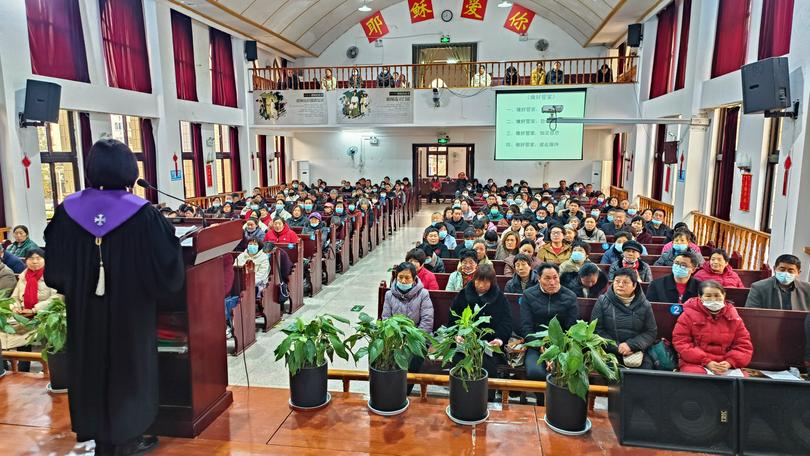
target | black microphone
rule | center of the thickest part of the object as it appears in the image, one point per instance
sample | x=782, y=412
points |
x=145, y=184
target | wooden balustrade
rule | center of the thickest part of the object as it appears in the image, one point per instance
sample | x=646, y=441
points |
x=619, y=193
x=5, y=233
x=206, y=201
x=582, y=70
x=14, y=357
x=753, y=245
x=649, y=203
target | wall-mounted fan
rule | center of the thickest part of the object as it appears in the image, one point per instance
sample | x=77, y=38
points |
x=352, y=52
x=351, y=151
x=541, y=44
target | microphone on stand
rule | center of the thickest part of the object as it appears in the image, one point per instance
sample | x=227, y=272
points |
x=145, y=184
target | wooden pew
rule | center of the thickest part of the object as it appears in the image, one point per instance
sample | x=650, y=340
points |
x=364, y=235
x=330, y=257
x=296, y=283
x=355, y=228
x=243, y=316
x=313, y=249
x=344, y=253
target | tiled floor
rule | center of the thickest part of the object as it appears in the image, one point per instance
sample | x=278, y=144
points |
x=358, y=286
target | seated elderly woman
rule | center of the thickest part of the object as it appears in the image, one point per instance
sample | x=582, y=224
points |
x=30, y=296
x=467, y=265
x=22, y=243
x=527, y=248
x=718, y=269
x=710, y=336
x=261, y=262
x=625, y=316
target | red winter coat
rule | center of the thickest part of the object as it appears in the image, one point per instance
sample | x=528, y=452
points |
x=428, y=279
x=728, y=278
x=700, y=337
x=285, y=236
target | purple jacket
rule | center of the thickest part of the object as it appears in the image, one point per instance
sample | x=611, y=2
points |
x=415, y=304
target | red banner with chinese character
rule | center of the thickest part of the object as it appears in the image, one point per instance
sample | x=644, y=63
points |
x=519, y=19
x=745, y=192
x=474, y=9
x=420, y=10
x=374, y=26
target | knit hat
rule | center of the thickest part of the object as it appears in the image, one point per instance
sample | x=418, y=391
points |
x=315, y=215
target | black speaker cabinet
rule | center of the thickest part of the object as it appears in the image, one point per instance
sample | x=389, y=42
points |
x=42, y=101
x=674, y=411
x=251, y=53
x=634, y=34
x=774, y=417
x=766, y=85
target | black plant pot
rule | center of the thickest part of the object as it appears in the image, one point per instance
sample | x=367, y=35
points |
x=59, y=367
x=389, y=390
x=308, y=387
x=470, y=403
x=564, y=410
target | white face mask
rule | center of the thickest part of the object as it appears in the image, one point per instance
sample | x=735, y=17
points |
x=714, y=306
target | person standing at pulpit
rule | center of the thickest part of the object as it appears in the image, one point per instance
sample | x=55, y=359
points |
x=112, y=255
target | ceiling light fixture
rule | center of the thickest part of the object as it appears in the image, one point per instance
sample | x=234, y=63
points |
x=504, y=4
x=364, y=8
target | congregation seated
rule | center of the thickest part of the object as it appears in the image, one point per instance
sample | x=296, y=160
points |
x=465, y=271
x=579, y=256
x=718, y=270
x=680, y=285
x=251, y=230
x=526, y=248
x=22, y=242
x=261, y=263
x=433, y=246
x=785, y=290
x=555, y=250
x=631, y=259
x=8, y=280
x=417, y=258
x=508, y=246
x=682, y=241
x=590, y=232
x=615, y=223
x=656, y=225
x=710, y=335
x=624, y=315
x=524, y=275
x=614, y=252
x=481, y=248
x=639, y=230
x=589, y=282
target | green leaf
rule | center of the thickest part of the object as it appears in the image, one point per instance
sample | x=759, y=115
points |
x=555, y=332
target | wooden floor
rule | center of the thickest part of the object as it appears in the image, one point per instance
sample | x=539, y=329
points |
x=33, y=422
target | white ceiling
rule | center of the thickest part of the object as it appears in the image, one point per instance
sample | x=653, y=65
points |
x=305, y=28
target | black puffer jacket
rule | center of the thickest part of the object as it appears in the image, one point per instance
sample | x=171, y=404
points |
x=571, y=281
x=537, y=308
x=633, y=324
x=494, y=304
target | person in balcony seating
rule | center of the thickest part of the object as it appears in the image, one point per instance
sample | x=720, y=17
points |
x=385, y=78
x=555, y=76
x=782, y=291
x=718, y=269
x=605, y=74
x=710, y=335
x=538, y=75
x=511, y=76
x=328, y=82
x=481, y=78
x=355, y=80
x=291, y=81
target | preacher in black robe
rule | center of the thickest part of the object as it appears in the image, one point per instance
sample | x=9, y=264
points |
x=112, y=329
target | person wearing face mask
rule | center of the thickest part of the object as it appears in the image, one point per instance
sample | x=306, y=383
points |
x=526, y=248
x=718, y=269
x=261, y=263
x=279, y=210
x=680, y=243
x=494, y=213
x=680, y=227
x=782, y=291
x=308, y=206
x=251, y=210
x=541, y=303
x=466, y=242
x=417, y=258
x=216, y=208
x=445, y=236
x=679, y=286
x=316, y=224
x=467, y=265
x=524, y=276
x=251, y=230
x=656, y=225
x=433, y=245
x=613, y=253
x=624, y=315
x=579, y=256
x=590, y=232
x=297, y=217
x=589, y=282
x=631, y=259
x=710, y=336
x=617, y=224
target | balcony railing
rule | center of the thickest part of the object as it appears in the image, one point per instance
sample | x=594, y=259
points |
x=649, y=203
x=453, y=75
x=753, y=245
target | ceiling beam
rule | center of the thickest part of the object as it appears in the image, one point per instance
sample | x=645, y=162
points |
x=605, y=21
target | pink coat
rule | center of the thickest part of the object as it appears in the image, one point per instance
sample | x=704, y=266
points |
x=700, y=337
x=728, y=278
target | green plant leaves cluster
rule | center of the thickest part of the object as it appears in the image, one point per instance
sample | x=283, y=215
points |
x=7, y=314
x=574, y=354
x=308, y=345
x=50, y=328
x=470, y=329
x=392, y=342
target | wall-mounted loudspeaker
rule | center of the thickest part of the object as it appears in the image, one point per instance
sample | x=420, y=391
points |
x=635, y=34
x=251, y=52
x=774, y=417
x=675, y=411
x=41, y=103
x=766, y=85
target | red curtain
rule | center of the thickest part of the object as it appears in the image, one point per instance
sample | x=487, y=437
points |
x=55, y=39
x=262, y=160
x=124, y=40
x=198, y=158
x=774, y=31
x=731, y=36
x=184, y=69
x=683, y=46
x=86, y=139
x=664, y=44
x=149, y=158
x=223, y=79
x=618, y=161
x=236, y=168
x=724, y=175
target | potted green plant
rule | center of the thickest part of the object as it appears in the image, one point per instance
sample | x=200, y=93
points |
x=50, y=331
x=305, y=351
x=463, y=344
x=573, y=355
x=392, y=343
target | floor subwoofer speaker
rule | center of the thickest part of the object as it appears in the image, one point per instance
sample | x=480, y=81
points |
x=774, y=417
x=675, y=411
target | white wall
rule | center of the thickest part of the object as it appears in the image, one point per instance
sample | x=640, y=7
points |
x=495, y=43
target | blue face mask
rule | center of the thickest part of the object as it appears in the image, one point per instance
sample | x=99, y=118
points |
x=493, y=211
x=339, y=211
x=600, y=200
x=784, y=277
x=216, y=204
x=351, y=207
x=254, y=207
x=442, y=235
x=510, y=202
x=609, y=218
x=618, y=246
x=485, y=195
x=680, y=272
x=404, y=287
x=509, y=216
x=657, y=222
x=468, y=244
x=279, y=207
x=679, y=247
x=314, y=224
x=595, y=214
x=307, y=207
x=632, y=212
x=252, y=249
x=577, y=256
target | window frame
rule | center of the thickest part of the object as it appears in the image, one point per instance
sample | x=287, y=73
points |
x=187, y=157
x=51, y=158
x=436, y=153
x=221, y=155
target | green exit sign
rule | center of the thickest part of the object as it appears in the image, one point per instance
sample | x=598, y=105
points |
x=444, y=39
x=443, y=140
